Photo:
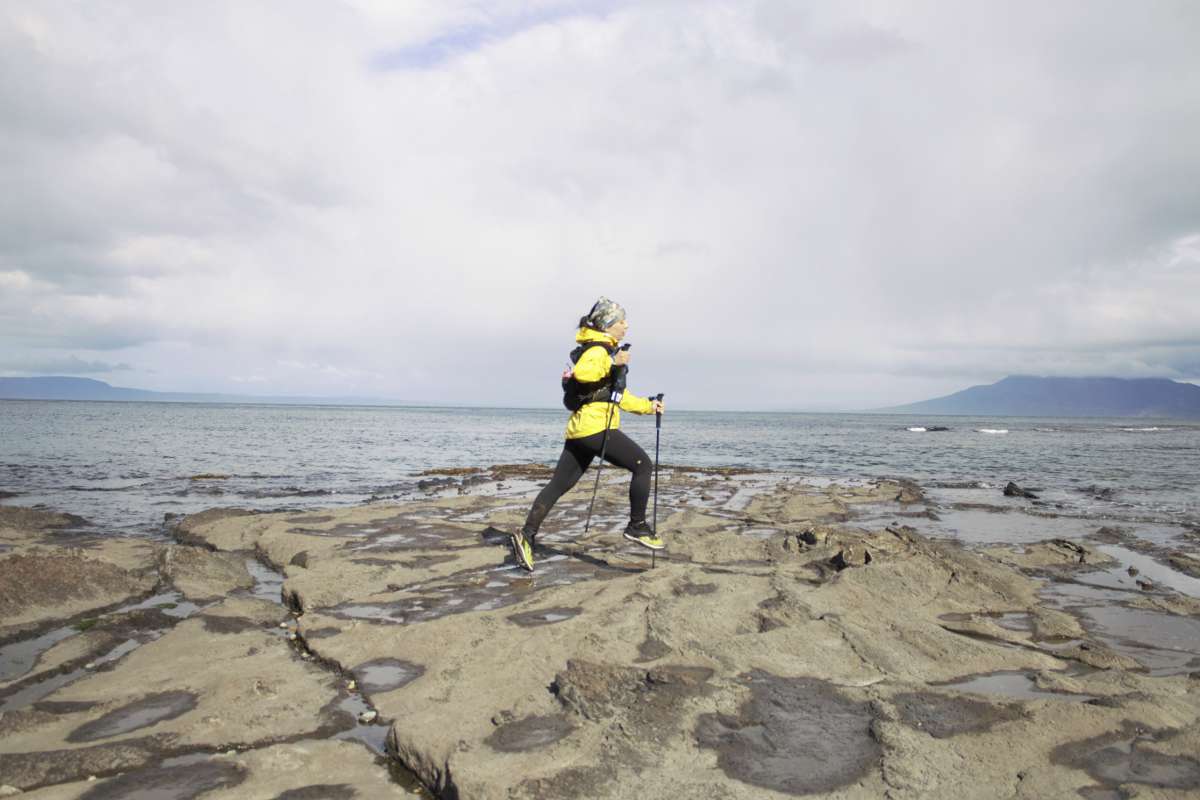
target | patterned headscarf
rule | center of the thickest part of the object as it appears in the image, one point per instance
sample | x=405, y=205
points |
x=603, y=314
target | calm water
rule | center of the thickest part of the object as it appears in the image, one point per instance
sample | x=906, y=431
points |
x=124, y=465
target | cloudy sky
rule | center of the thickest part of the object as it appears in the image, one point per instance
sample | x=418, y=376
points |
x=802, y=205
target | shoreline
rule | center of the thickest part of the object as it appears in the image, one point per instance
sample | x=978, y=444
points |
x=917, y=653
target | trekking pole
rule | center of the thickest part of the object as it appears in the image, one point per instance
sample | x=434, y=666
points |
x=603, y=448
x=617, y=392
x=657, y=434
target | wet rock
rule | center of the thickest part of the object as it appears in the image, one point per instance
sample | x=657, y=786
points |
x=1185, y=563
x=139, y=714
x=1013, y=490
x=943, y=716
x=179, y=783
x=228, y=625
x=38, y=520
x=436, y=484
x=652, y=649
x=545, y=616
x=601, y=691
x=910, y=492
x=793, y=735
x=319, y=791
x=299, y=560
x=27, y=770
x=1130, y=756
x=1099, y=656
x=530, y=733
x=689, y=589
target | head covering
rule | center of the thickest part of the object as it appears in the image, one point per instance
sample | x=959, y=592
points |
x=603, y=314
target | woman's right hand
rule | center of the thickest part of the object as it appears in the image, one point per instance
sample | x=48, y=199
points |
x=621, y=358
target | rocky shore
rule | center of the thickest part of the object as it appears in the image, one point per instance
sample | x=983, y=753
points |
x=798, y=638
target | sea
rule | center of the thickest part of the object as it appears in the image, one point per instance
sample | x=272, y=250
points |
x=127, y=466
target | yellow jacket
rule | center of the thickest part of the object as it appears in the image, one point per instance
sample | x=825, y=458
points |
x=594, y=365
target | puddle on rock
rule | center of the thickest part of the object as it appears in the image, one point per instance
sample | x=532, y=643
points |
x=1017, y=684
x=1120, y=758
x=1147, y=569
x=530, y=733
x=170, y=603
x=1003, y=526
x=1021, y=621
x=18, y=658
x=795, y=735
x=544, y=616
x=168, y=783
x=372, y=734
x=268, y=584
x=28, y=695
x=139, y=714
x=1166, y=644
x=477, y=590
x=386, y=674
x=943, y=715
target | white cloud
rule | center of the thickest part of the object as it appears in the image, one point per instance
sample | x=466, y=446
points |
x=801, y=204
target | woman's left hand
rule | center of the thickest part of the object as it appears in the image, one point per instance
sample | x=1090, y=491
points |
x=657, y=406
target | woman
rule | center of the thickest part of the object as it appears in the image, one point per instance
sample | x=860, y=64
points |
x=589, y=385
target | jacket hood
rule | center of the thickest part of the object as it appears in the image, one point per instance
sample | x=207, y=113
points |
x=586, y=335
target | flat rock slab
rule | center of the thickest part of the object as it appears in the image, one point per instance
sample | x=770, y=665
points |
x=191, y=688
x=764, y=654
x=304, y=770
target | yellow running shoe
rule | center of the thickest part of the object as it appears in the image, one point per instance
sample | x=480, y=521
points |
x=522, y=551
x=641, y=533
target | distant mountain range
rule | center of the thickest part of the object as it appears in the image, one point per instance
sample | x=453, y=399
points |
x=63, y=388
x=1028, y=396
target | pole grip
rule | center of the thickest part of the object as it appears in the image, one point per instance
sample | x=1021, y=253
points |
x=658, y=414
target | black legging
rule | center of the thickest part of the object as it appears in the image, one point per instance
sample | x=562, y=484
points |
x=577, y=454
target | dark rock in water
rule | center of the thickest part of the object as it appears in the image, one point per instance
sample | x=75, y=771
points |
x=1187, y=564
x=1099, y=492
x=493, y=535
x=851, y=556
x=1012, y=490
x=936, y=428
x=39, y=518
x=794, y=735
